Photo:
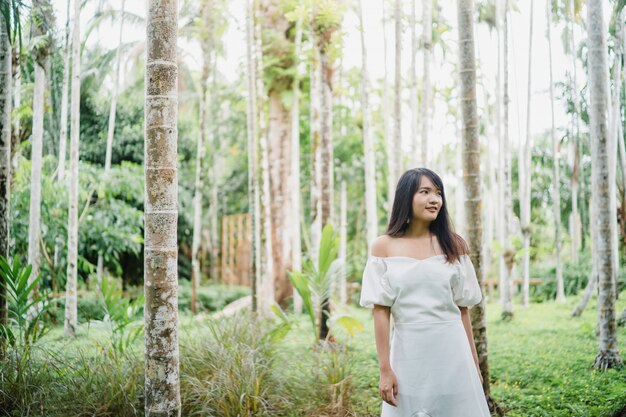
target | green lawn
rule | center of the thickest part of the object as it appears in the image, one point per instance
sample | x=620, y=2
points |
x=540, y=363
x=540, y=366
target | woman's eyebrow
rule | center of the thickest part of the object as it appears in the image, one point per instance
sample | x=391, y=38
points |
x=427, y=188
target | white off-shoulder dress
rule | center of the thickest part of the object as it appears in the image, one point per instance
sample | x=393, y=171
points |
x=430, y=352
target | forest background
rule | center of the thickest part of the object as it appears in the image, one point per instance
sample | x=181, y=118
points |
x=246, y=233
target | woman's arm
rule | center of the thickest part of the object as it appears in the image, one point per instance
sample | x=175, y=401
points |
x=388, y=385
x=467, y=323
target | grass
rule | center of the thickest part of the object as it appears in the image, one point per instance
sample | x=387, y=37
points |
x=540, y=366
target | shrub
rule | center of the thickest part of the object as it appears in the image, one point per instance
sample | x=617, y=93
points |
x=211, y=298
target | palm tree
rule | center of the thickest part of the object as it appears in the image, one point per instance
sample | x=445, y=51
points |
x=608, y=354
x=161, y=211
x=40, y=16
x=71, y=309
x=471, y=161
x=397, y=101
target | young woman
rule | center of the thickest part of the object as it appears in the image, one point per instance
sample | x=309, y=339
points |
x=419, y=272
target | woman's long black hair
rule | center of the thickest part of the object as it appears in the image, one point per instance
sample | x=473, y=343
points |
x=451, y=243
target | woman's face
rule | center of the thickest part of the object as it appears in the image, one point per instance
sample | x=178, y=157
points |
x=427, y=201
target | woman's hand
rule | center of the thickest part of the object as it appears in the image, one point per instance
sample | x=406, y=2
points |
x=388, y=387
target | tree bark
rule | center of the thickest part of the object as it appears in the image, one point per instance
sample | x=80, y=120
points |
x=471, y=177
x=556, y=176
x=371, y=224
x=71, y=313
x=608, y=354
x=5, y=152
x=343, y=243
x=41, y=13
x=162, y=386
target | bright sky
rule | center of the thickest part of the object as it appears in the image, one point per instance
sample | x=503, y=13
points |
x=443, y=73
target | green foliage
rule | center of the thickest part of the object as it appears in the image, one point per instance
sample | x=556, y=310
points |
x=228, y=372
x=211, y=298
x=122, y=315
x=25, y=305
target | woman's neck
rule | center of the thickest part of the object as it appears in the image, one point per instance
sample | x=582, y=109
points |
x=418, y=229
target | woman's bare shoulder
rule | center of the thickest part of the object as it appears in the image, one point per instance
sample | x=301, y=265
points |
x=380, y=245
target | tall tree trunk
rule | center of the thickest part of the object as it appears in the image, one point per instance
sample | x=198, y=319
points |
x=64, y=99
x=253, y=156
x=316, y=151
x=427, y=45
x=71, y=319
x=556, y=176
x=111, y=127
x=343, y=243
x=267, y=287
x=326, y=149
x=296, y=206
x=198, y=186
x=575, y=143
x=5, y=153
x=279, y=152
x=471, y=159
x=389, y=141
x=371, y=224
x=608, y=354
x=615, y=120
x=40, y=17
x=397, y=99
x=414, y=161
x=162, y=386
x=507, y=254
x=525, y=174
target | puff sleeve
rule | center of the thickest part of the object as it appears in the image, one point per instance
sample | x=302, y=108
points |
x=466, y=292
x=375, y=288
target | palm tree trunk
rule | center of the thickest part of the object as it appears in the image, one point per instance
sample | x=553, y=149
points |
x=198, y=187
x=343, y=243
x=414, y=161
x=253, y=157
x=316, y=151
x=471, y=159
x=574, y=180
x=71, y=312
x=371, y=224
x=525, y=174
x=507, y=255
x=296, y=206
x=389, y=143
x=5, y=153
x=162, y=386
x=427, y=44
x=267, y=287
x=64, y=99
x=397, y=100
x=556, y=176
x=40, y=13
x=111, y=128
x=608, y=354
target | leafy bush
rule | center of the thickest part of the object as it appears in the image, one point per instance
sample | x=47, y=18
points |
x=211, y=298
